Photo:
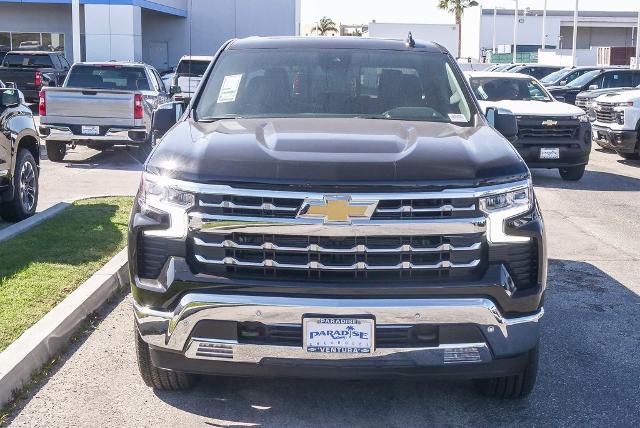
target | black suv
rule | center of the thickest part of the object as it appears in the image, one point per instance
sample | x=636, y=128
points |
x=336, y=207
x=596, y=79
x=19, y=157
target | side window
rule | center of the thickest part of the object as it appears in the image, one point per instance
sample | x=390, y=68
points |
x=636, y=78
x=153, y=80
x=56, y=62
x=617, y=79
x=158, y=79
x=64, y=62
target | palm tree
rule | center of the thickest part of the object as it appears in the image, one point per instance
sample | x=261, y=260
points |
x=324, y=26
x=457, y=7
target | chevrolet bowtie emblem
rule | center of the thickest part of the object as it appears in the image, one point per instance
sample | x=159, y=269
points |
x=550, y=122
x=337, y=209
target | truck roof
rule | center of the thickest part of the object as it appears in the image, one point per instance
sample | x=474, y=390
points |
x=34, y=52
x=196, y=58
x=108, y=63
x=497, y=74
x=333, y=42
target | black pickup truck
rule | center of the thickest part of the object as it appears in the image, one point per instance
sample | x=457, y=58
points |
x=337, y=207
x=32, y=70
x=19, y=157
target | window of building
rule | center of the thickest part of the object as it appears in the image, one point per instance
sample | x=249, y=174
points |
x=18, y=41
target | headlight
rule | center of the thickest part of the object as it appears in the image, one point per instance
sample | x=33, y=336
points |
x=502, y=206
x=156, y=192
x=157, y=196
x=520, y=200
x=624, y=104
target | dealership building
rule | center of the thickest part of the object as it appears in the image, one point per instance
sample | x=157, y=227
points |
x=158, y=32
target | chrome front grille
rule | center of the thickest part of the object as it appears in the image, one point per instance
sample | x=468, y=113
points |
x=308, y=236
x=605, y=113
x=335, y=258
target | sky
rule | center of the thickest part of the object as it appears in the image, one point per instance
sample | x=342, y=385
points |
x=425, y=11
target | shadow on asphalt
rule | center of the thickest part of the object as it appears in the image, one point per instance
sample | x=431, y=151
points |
x=592, y=180
x=118, y=157
x=589, y=375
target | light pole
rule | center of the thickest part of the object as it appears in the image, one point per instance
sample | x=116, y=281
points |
x=495, y=13
x=515, y=33
x=638, y=43
x=575, y=34
x=544, y=25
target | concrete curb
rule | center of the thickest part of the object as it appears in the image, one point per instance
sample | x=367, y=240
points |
x=24, y=225
x=50, y=335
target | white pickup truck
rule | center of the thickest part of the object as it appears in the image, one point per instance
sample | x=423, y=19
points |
x=618, y=122
x=99, y=105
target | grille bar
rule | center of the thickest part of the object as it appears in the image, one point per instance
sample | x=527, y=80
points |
x=412, y=209
x=359, y=266
x=264, y=206
x=358, y=249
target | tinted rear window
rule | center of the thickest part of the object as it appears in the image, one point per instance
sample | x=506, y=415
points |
x=22, y=60
x=108, y=77
x=193, y=68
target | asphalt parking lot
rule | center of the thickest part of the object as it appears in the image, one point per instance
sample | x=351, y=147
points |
x=589, y=375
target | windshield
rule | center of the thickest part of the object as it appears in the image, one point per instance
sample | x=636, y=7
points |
x=583, y=80
x=192, y=68
x=333, y=83
x=108, y=77
x=506, y=88
x=22, y=60
x=555, y=76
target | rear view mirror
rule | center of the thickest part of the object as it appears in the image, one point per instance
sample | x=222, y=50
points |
x=164, y=117
x=10, y=98
x=503, y=121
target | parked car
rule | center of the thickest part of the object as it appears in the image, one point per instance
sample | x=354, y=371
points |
x=566, y=75
x=189, y=74
x=19, y=157
x=617, y=122
x=551, y=134
x=99, y=105
x=596, y=79
x=336, y=207
x=586, y=100
x=535, y=70
x=33, y=70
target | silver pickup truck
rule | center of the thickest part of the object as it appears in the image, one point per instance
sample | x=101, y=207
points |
x=99, y=105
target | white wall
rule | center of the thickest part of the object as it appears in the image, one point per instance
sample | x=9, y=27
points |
x=565, y=57
x=213, y=22
x=112, y=32
x=446, y=35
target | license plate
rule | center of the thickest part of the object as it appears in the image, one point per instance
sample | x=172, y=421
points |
x=344, y=335
x=90, y=130
x=550, y=153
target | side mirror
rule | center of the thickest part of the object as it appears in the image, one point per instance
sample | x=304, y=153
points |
x=593, y=87
x=560, y=98
x=175, y=89
x=164, y=117
x=503, y=121
x=10, y=98
x=563, y=82
x=11, y=85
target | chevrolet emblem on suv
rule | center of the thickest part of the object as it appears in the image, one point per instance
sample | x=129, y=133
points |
x=550, y=122
x=337, y=209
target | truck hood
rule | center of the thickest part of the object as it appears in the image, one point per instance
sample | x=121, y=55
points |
x=336, y=152
x=535, y=108
x=620, y=96
x=597, y=92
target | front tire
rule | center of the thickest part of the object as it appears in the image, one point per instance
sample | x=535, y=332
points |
x=572, y=173
x=56, y=150
x=25, y=185
x=157, y=378
x=515, y=386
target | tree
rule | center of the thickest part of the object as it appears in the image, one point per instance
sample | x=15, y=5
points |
x=457, y=7
x=324, y=26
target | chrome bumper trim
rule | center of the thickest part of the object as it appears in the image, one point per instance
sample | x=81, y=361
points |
x=171, y=330
x=63, y=133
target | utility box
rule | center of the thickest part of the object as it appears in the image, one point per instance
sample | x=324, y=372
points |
x=615, y=55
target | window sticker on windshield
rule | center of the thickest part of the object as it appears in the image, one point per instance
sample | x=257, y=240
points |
x=456, y=117
x=229, y=88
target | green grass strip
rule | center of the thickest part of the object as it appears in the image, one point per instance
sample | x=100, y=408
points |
x=40, y=267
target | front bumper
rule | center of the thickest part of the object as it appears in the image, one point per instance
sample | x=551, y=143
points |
x=111, y=135
x=620, y=141
x=205, y=327
x=573, y=151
